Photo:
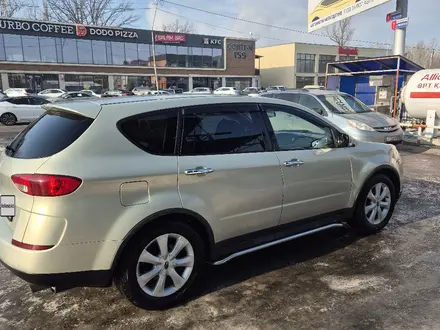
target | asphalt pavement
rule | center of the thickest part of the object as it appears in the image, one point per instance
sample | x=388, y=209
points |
x=332, y=280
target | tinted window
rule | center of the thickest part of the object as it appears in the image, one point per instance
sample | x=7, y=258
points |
x=223, y=129
x=288, y=97
x=154, y=132
x=37, y=101
x=311, y=103
x=70, y=51
x=343, y=104
x=48, y=50
x=31, y=48
x=19, y=101
x=85, y=51
x=13, y=46
x=297, y=131
x=34, y=142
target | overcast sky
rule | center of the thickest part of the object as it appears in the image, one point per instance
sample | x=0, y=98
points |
x=370, y=25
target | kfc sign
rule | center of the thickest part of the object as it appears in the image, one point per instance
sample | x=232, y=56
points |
x=348, y=51
x=170, y=38
x=208, y=41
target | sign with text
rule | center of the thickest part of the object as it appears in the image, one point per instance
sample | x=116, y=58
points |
x=402, y=23
x=322, y=13
x=170, y=38
x=348, y=51
x=393, y=16
x=240, y=50
x=7, y=206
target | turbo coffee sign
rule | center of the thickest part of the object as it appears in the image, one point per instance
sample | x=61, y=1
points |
x=78, y=30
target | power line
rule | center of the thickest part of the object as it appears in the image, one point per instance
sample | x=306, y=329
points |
x=217, y=26
x=275, y=26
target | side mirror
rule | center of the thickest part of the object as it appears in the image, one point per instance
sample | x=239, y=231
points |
x=343, y=140
x=319, y=111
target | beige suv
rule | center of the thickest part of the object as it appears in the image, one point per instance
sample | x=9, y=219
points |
x=143, y=191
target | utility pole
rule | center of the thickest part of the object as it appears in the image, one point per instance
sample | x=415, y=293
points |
x=156, y=5
x=400, y=34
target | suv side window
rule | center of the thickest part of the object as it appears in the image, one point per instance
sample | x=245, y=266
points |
x=38, y=101
x=153, y=132
x=311, y=103
x=296, y=130
x=223, y=129
x=291, y=97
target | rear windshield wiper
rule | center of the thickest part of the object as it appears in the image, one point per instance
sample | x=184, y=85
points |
x=10, y=148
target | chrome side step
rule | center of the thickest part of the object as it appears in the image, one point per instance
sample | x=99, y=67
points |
x=279, y=241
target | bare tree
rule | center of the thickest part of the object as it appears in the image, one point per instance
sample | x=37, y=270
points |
x=341, y=32
x=426, y=55
x=10, y=8
x=92, y=12
x=178, y=27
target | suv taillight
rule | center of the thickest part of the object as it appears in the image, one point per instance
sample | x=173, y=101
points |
x=45, y=185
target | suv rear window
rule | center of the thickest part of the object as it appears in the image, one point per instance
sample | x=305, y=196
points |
x=48, y=135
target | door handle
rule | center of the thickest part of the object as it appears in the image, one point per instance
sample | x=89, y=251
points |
x=199, y=170
x=293, y=162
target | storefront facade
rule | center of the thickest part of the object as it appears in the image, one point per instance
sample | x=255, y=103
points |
x=40, y=55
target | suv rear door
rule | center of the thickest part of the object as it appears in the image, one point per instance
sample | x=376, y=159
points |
x=227, y=171
x=317, y=176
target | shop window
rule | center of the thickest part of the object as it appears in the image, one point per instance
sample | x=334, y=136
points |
x=118, y=53
x=217, y=58
x=323, y=60
x=75, y=82
x=59, y=49
x=197, y=57
x=70, y=51
x=321, y=81
x=100, y=84
x=144, y=52
x=346, y=58
x=303, y=81
x=48, y=81
x=160, y=53
x=172, y=56
x=98, y=52
x=182, y=60
x=306, y=63
x=207, y=57
x=131, y=54
x=108, y=51
x=85, y=51
x=13, y=46
x=2, y=49
x=31, y=49
x=48, y=50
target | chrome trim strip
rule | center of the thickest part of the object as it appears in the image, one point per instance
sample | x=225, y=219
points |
x=282, y=240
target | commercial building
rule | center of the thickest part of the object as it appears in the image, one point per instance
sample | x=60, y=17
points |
x=40, y=55
x=295, y=65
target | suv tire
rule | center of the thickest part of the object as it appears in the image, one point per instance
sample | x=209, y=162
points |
x=376, y=197
x=150, y=260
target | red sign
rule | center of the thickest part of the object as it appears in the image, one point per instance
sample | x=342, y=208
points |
x=393, y=25
x=348, y=51
x=388, y=17
x=170, y=38
x=81, y=30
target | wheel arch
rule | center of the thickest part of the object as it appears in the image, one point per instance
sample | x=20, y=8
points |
x=387, y=170
x=195, y=220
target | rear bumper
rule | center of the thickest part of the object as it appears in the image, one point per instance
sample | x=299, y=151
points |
x=97, y=278
x=82, y=264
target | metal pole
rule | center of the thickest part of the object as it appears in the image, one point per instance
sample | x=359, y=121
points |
x=396, y=88
x=156, y=4
x=400, y=34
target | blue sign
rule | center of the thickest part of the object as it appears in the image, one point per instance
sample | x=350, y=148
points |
x=396, y=16
x=402, y=23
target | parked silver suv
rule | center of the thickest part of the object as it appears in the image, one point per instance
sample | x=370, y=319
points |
x=347, y=112
x=143, y=191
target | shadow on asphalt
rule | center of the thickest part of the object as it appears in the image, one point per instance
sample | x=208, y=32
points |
x=284, y=255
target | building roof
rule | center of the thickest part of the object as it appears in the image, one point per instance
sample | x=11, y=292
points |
x=385, y=65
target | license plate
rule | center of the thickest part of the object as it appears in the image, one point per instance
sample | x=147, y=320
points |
x=392, y=138
x=7, y=206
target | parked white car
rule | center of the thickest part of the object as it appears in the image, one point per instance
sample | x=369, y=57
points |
x=51, y=93
x=158, y=93
x=23, y=109
x=142, y=90
x=226, y=91
x=90, y=92
x=200, y=91
x=13, y=92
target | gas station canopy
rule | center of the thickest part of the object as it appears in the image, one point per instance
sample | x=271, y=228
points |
x=388, y=65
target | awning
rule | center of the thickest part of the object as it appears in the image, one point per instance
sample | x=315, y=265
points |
x=388, y=65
